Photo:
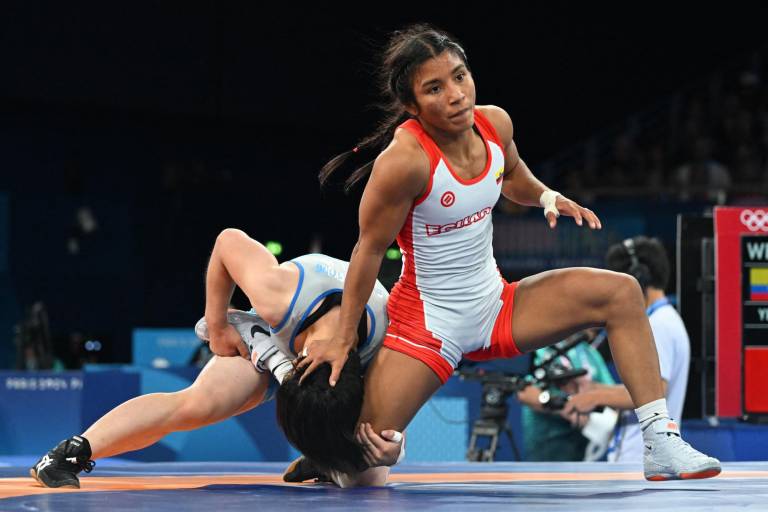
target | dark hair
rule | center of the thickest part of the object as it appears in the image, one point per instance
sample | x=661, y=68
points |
x=406, y=50
x=650, y=253
x=320, y=420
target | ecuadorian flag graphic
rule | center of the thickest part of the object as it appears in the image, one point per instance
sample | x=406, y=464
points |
x=758, y=284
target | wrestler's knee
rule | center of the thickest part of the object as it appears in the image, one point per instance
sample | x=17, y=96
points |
x=193, y=409
x=624, y=292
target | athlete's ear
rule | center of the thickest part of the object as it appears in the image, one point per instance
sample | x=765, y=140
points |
x=412, y=109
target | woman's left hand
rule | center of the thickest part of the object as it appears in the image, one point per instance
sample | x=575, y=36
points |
x=379, y=450
x=572, y=209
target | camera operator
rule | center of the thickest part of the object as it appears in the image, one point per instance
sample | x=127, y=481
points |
x=547, y=436
x=646, y=260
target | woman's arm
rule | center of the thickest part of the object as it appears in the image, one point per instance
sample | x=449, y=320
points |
x=399, y=176
x=521, y=186
x=239, y=260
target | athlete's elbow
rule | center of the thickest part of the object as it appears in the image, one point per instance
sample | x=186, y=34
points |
x=228, y=235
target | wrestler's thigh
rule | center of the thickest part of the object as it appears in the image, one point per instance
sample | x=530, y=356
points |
x=230, y=385
x=552, y=305
x=396, y=386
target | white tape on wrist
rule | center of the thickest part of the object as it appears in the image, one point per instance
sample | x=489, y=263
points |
x=547, y=201
x=397, y=437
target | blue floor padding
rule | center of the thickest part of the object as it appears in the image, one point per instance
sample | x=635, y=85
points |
x=745, y=488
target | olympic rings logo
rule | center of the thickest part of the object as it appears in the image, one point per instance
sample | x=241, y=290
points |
x=755, y=221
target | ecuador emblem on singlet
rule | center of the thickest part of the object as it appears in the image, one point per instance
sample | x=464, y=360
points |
x=499, y=175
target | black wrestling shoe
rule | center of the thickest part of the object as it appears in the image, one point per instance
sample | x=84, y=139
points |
x=60, y=466
x=303, y=469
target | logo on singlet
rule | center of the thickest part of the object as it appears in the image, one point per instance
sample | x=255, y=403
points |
x=448, y=199
x=499, y=175
x=322, y=268
x=438, y=229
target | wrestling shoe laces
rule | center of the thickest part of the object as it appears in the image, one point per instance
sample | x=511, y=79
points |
x=60, y=466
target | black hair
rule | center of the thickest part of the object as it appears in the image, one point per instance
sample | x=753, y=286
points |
x=406, y=50
x=650, y=253
x=320, y=420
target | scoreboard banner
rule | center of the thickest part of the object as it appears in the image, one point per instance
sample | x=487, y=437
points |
x=741, y=310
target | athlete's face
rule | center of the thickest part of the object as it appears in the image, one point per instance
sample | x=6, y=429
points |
x=445, y=93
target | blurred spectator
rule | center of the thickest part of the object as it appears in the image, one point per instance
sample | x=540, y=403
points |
x=695, y=125
x=655, y=167
x=707, y=142
x=83, y=227
x=703, y=177
x=748, y=169
x=33, y=341
x=625, y=167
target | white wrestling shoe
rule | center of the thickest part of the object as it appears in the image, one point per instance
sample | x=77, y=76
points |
x=247, y=324
x=668, y=457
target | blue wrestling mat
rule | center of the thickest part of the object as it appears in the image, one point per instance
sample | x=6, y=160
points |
x=119, y=486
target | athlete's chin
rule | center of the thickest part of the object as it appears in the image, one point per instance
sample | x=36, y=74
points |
x=464, y=120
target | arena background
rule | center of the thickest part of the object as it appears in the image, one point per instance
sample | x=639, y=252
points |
x=131, y=135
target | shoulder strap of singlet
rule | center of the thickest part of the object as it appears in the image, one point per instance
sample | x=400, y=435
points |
x=334, y=299
x=487, y=130
x=426, y=142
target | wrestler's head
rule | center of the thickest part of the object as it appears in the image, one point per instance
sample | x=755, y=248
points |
x=320, y=420
x=426, y=72
x=408, y=49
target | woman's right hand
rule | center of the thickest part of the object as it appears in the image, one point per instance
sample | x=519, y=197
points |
x=333, y=351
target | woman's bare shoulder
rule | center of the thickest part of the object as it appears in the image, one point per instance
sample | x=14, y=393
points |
x=404, y=158
x=500, y=121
